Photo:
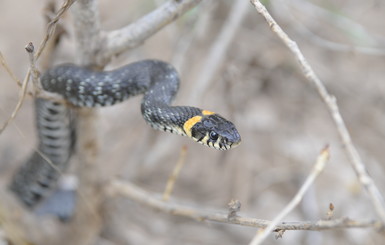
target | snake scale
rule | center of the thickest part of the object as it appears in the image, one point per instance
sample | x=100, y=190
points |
x=83, y=87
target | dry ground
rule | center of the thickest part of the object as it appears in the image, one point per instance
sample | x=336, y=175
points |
x=282, y=121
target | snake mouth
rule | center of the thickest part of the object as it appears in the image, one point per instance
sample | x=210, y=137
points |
x=220, y=144
x=226, y=147
x=229, y=146
x=235, y=144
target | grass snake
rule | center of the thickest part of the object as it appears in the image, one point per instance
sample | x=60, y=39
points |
x=83, y=87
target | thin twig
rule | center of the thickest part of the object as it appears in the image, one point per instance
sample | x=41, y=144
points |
x=338, y=20
x=19, y=102
x=330, y=102
x=39, y=93
x=175, y=173
x=192, y=31
x=344, y=24
x=24, y=85
x=52, y=26
x=317, y=169
x=129, y=190
x=32, y=62
x=219, y=49
x=9, y=70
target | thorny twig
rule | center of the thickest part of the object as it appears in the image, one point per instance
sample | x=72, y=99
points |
x=330, y=102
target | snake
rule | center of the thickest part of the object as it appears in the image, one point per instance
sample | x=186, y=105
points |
x=80, y=86
x=38, y=176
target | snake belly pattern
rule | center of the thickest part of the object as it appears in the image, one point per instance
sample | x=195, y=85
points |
x=83, y=87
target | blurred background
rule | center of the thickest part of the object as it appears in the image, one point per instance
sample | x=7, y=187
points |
x=258, y=85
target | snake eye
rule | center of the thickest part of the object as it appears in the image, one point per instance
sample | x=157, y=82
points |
x=213, y=135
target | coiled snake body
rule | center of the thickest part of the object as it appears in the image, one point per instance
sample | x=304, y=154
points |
x=83, y=87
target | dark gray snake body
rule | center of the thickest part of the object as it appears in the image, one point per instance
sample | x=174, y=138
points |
x=83, y=87
x=36, y=178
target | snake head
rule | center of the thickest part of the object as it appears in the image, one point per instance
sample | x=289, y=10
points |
x=214, y=131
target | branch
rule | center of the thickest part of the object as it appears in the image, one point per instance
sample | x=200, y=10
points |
x=219, y=50
x=52, y=26
x=22, y=95
x=330, y=102
x=9, y=70
x=317, y=169
x=32, y=61
x=342, y=23
x=87, y=30
x=134, y=34
x=50, y=31
x=175, y=173
x=123, y=188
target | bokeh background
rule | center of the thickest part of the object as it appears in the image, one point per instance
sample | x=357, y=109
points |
x=258, y=85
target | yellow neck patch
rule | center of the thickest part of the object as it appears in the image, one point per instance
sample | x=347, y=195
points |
x=190, y=123
x=207, y=113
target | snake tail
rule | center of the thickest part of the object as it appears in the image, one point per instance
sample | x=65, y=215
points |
x=39, y=175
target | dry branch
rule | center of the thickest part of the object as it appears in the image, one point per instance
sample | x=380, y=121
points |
x=129, y=190
x=219, y=49
x=52, y=26
x=317, y=169
x=49, y=33
x=34, y=72
x=330, y=102
x=333, y=18
x=175, y=173
x=344, y=23
x=134, y=34
x=9, y=70
x=23, y=92
x=87, y=30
